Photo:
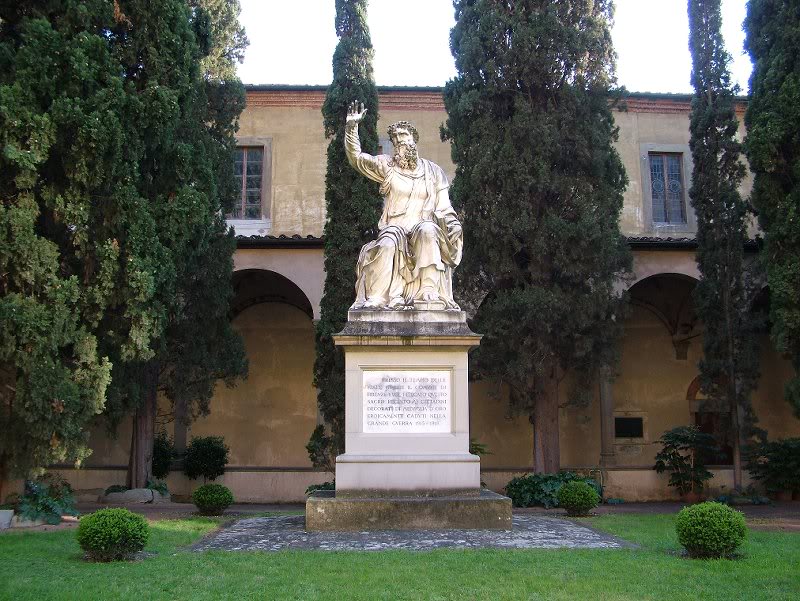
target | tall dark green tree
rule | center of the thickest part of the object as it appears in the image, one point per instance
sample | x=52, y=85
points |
x=77, y=240
x=540, y=187
x=113, y=179
x=773, y=148
x=353, y=207
x=185, y=171
x=222, y=38
x=729, y=368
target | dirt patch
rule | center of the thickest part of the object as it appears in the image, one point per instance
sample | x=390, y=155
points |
x=776, y=525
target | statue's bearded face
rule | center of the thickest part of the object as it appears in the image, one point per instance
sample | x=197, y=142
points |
x=405, y=150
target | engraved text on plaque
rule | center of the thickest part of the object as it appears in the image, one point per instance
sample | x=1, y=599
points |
x=406, y=402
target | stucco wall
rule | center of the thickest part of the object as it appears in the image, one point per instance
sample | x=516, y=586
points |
x=293, y=121
x=267, y=419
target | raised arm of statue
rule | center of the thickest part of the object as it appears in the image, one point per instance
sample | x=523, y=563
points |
x=367, y=165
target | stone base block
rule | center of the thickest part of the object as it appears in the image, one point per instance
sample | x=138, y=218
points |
x=446, y=474
x=487, y=511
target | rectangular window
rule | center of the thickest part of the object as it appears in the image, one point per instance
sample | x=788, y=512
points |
x=628, y=427
x=667, y=188
x=248, y=168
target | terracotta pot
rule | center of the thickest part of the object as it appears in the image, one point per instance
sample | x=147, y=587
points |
x=691, y=497
x=781, y=495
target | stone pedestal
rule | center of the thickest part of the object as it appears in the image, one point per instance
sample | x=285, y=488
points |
x=407, y=428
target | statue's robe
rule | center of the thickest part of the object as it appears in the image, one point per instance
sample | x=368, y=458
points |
x=418, y=228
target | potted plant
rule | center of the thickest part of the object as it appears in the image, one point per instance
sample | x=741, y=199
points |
x=681, y=456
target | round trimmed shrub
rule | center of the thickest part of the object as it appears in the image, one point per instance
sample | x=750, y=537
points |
x=206, y=457
x=112, y=534
x=578, y=498
x=710, y=529
x=212, y=499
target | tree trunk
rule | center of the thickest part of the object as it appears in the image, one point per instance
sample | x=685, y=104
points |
x=546, y=451
x=140, y=465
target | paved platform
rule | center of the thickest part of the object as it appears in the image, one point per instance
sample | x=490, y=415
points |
x=282, y=533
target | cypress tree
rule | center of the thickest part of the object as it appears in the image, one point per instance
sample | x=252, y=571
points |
x=729, y=368
x=772, y=145
x=353, y=207
x=185, y=171
x=113, y=247
x=77, y=240
x=540, y=186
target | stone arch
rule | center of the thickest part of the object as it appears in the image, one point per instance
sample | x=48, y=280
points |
x=647, y=264
x=303, y=267
x=255, y=286
x=266, y=420
x=668, y=296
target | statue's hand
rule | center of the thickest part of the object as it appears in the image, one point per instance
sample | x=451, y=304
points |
x=356, y=112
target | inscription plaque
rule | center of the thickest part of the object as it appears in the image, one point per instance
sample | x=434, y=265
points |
x=406, y=402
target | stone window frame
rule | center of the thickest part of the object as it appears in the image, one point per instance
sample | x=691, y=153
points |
x=645, y=439
x=688, y=229
x=258, y=227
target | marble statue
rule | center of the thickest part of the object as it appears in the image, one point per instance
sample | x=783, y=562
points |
x=410, y=264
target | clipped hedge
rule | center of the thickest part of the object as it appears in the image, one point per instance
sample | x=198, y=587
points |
x=112, y=534
x=578, y=498
x=710, y=529
x=212, y=499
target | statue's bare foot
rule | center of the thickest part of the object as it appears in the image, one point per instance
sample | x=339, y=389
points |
x=373, y=304
x=398, y=302
x=427, y=295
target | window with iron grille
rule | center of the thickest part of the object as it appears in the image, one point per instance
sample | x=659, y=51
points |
x=248, y=168
x=667, y=188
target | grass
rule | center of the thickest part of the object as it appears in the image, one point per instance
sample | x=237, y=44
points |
x=49, y=566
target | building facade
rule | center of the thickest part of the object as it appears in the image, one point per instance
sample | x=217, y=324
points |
x=279, y=279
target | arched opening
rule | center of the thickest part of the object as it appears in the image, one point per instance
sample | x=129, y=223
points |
x=267, y=419
x=668, y=297
x=256, y=286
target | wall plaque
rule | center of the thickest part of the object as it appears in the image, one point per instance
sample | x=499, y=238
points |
x=406, y=402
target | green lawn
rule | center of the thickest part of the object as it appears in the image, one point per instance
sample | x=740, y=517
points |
x=40, y=566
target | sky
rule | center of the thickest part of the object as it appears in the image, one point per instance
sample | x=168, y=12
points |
x=292, y=42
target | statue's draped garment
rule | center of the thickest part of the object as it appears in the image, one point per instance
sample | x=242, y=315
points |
x=418, y=228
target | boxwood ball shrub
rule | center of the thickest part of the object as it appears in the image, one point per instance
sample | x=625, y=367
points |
x=112, y=534
x=206, y=457
x=710, y=529
x=577, y=498
x=212, y=499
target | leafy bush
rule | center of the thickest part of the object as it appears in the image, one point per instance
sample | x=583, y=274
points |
x=163, y=454
x=710, y=529
x=212, y=499
x=116, y=488
x=112, y=534
x=206, y=456
x=47, y=498
x=12, y=502
x=158, y=486
x=681, y=455
x=776, y=464
x=330, y=485
x=578, y=498
x=322, y=450
x=478, y=448
x=542, y=489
